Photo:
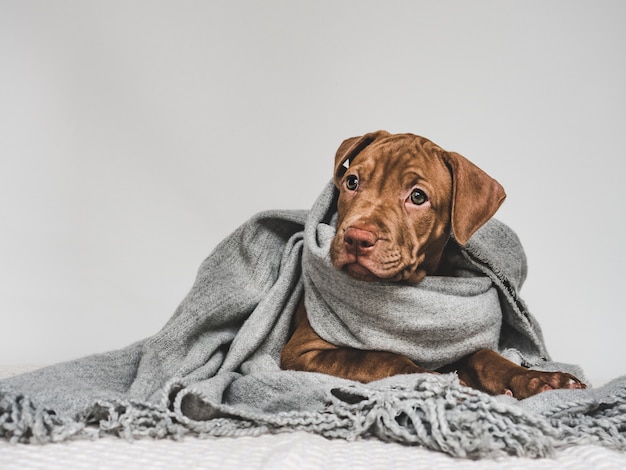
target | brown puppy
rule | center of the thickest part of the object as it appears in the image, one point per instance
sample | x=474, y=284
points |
x=401, y=197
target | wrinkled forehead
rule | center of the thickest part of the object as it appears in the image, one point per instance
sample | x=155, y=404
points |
x=402, y=159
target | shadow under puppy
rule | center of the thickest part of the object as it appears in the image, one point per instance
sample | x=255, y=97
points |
x=402, y=199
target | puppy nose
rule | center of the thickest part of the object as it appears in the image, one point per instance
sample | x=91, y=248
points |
x=358, y=240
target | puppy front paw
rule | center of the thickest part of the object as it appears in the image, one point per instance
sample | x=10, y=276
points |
x=532, y=382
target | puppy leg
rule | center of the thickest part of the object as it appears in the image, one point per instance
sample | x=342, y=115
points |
x=488, y=371
x=306, y=351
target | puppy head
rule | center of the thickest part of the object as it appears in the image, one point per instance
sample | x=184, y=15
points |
x=400, y=198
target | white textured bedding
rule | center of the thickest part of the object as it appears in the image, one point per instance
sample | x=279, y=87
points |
x=294, y=450
x=291, y=450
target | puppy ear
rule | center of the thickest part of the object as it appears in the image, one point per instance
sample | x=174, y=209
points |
x=349, y=149
x=476, y=196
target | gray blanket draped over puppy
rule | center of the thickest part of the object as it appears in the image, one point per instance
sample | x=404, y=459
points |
x=213, y=369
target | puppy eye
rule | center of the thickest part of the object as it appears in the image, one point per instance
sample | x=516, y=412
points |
x=352, y=182
x=418, y=197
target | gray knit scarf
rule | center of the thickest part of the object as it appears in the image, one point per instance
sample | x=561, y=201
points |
x=213, y=369
x=434, y=323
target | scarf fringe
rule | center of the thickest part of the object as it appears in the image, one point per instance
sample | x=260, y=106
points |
x=436, y=412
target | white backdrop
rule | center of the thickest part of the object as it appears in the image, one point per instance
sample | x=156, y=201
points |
x=135, y=135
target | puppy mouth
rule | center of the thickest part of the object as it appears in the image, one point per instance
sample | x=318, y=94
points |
x=357, y=271
x=367, y=262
